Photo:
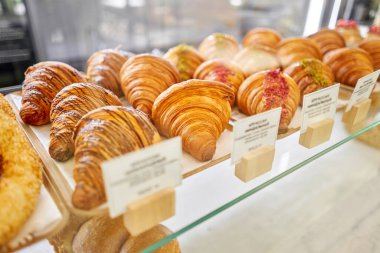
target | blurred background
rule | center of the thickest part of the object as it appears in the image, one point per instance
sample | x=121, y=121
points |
x=71, y=30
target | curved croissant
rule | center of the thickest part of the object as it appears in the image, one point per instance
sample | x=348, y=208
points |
x=70, y=104
x=262, y=36
x=372, y=47
x=350, y=32
x=349, y=64
x=100, y=135
x=328, y=40
x=223, y=71
x=218, y=45
x=253, y=59
x=310, y=75
x=196, y=110
x=292, y=50
x=103, y=68
x=185, y=58
x=144, y=77
x=42, y=82
x=267, y=90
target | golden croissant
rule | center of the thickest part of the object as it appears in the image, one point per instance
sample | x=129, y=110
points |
x=144, y=77
x=328, y=40
x=42, y=82
x=196, y=110
x=221, y=70
x=310, y=75
x=186, y=59
x=349, y=64
x=293, y=50
x=101, y=135
x=262, y=36
x=267, y=90
x=70, y=104
x=218, y=45
x=350, y=32
x=256, y=58
x=372, y=47
x=103, y=68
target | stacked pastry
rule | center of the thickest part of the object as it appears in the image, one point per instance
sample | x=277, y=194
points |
x=267, y=90
x=218, y=45
x=350, y=32
x=372, y=47
x=262, y=36
x=328, y=40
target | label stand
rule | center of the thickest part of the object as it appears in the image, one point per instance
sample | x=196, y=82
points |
x=148, y=212
x=358, y=113
x=255, y=163
x=317, y=133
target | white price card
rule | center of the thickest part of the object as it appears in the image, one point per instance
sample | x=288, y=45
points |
x=255, y=131
x=319, y=105
x=141, y=173
x=363, y=89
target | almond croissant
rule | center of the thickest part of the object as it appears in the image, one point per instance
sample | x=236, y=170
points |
x=100, y=135
x=219, y=45
x=296, y=49
x=221, y=70
x=196, y=110
x=267, y=90
x=186, y=59
x=262, y=36
x=42, y=82
x=328, y=40
x=372, y=47
x=103, y=68
x=310, y=75
x=70, y=104
x=144, y=77
x=349, y=64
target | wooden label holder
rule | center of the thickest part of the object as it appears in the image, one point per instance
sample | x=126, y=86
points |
x=317, y=133
x=358, y=113
x=150, y=211
x=255, y=163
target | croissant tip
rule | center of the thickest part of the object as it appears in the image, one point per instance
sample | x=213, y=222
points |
x=60, y=152
x=145, y=109
x=86, y=198
x=31, y=114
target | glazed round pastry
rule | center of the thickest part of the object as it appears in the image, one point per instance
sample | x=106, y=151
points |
x=267, y=90
x=253, y=59
x=374, y=32
x=349, y=64
x=218, y=45
x=100, y=234
x=100, y=135
x=144, y=77
x=196, y=110
x=42, y=82
x=103, y=68
x=262, y=36
x=141, y=242
x=186, y=59
x=221, y=70
x=67, y=108
x=20, y=175
x=310, y=75
x=372, y=47
x=293, y=50
x=328, y=40
x=350, y=32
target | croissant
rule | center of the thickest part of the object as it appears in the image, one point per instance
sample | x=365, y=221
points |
x=350, y=32
x=262, y=36
x=349, y=64
x=70, y=104
x=267, y=90
x=100, y=135
x=144, y=77
x=42, y=82
x=374, y=32
x=328, y=40
x=185, y=58
x=218, y=45
x=310, y=75
x=221, y=70
x=372, y=47
x=196, y=110
x=103, y=68
x=253, y=59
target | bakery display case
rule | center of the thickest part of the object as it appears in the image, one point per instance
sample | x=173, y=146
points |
x=152, y=149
